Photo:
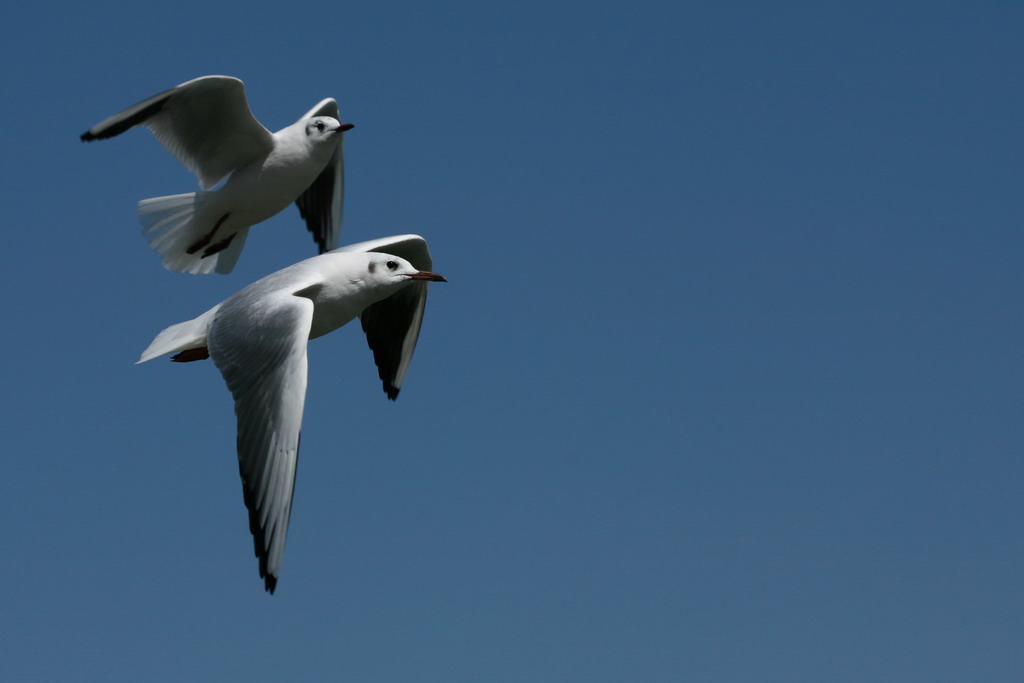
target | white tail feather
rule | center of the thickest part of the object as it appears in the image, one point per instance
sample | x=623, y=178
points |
x=169, y=229
x=190, y=334
x=227, y=259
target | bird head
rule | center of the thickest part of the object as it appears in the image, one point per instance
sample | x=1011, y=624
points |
x=325, y=128
x=388, y=271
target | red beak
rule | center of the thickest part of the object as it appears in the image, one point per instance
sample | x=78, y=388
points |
x=345, y=126
x=427, y=275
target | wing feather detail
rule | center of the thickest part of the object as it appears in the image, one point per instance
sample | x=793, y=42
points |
x=259, y=346
x=392, y=326
x=320, y=206
x=206, y=123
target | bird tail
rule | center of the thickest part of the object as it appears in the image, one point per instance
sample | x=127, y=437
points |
x=190, y=334
x=169, y=229
x=227, y=258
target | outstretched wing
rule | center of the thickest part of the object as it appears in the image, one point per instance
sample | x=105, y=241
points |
x=392, y=326
x=320, y=205
x=206, y=123
x=258, y=342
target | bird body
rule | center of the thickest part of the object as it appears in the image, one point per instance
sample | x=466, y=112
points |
x=322, y=280
x=257, y=339
x=207, y=124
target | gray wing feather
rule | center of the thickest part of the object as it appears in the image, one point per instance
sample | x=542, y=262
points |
x=206, y=123
x=263, y=360
x=320, y=205
x=392, y=326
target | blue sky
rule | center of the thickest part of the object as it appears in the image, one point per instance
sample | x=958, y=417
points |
x=726, y=383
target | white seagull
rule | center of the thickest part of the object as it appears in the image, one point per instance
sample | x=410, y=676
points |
x=207, y=125
x=257, y=339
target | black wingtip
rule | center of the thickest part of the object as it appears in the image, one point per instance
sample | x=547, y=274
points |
x=269, y=580
x=114, y=129
x=392, y=392
x=258, y=538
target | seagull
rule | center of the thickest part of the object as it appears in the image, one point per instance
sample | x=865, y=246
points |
x=257, y=339
x=207, y=125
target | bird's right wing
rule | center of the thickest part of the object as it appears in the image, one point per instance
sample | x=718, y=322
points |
x=206, y=123
x=392, y=325
x=258, y=343
x=320, y=205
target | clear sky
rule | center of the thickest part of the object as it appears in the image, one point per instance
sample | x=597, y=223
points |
x=726, y=384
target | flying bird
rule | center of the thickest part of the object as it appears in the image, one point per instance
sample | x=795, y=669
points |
x=206, y=123
x=257, y=339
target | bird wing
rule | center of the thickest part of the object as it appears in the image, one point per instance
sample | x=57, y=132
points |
x=258, y=342
x=206, y=123
x=320, y=204
x=392, y=325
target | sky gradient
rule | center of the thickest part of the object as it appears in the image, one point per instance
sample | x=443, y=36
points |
x=725, y=385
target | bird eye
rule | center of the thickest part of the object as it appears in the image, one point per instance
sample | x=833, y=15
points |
x=320, y=126
x=391, y=265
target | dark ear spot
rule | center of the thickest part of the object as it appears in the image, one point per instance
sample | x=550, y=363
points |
x=373, y=266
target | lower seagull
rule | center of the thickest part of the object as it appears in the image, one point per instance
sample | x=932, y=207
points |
x=257, y=339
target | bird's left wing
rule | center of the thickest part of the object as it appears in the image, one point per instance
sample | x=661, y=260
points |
x=320, y=205
x=205, y=122
x=392, y=325
x=258, y=342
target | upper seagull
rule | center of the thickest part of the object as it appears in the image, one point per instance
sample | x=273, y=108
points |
x=207, y=124
x=257, y=339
